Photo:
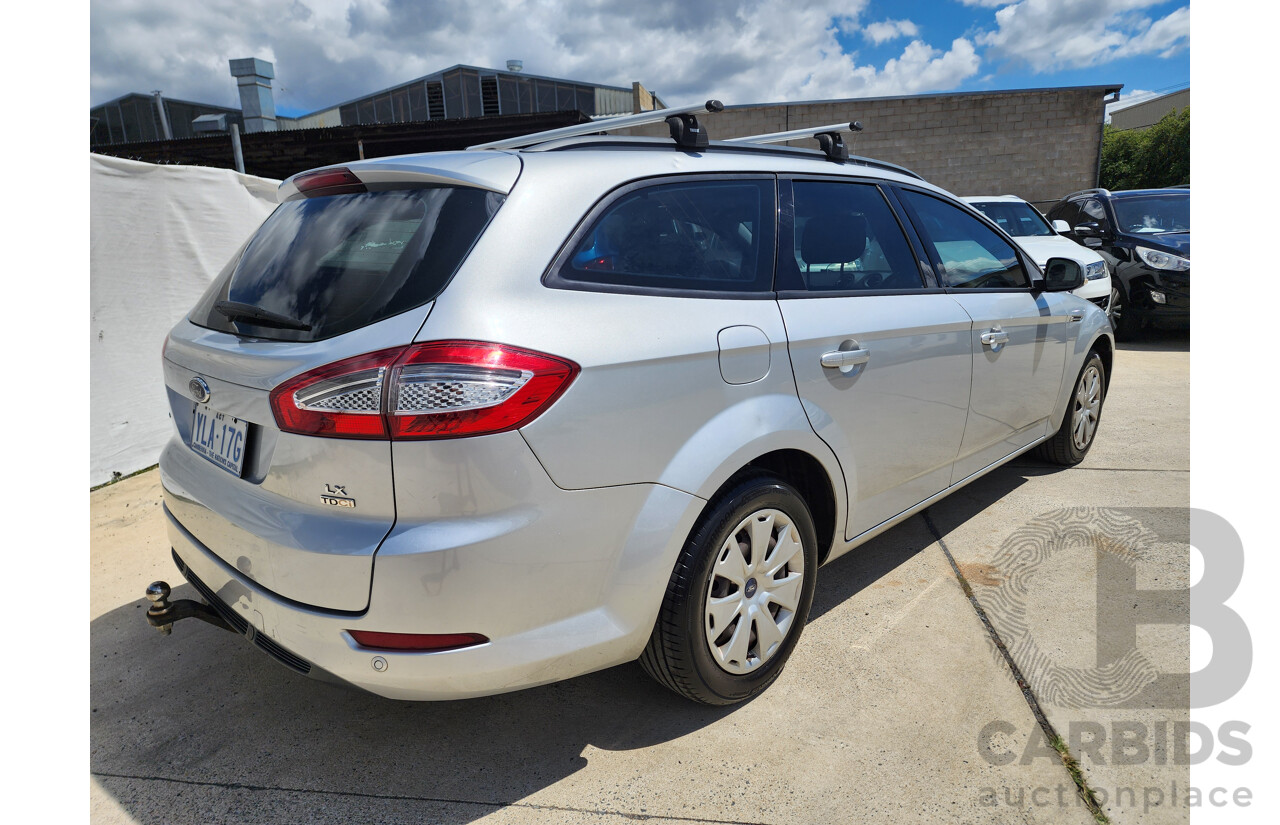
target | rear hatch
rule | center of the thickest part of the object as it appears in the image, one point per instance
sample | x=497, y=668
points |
x=281, y=465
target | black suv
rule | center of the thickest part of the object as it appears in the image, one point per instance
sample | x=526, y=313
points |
x=1145, y=237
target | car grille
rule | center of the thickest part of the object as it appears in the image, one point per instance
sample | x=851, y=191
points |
x=260, y=640
x=1102, y=301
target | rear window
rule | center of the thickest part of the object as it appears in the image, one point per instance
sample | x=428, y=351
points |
x=341, y=262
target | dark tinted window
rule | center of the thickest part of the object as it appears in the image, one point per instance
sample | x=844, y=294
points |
x=973, y=256
x=714, y=236
x=1068, y=211
x=342, y=262
x=1092, y=211
x=845, y=238
x=1021, y=220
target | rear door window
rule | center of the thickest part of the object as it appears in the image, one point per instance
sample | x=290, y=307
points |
x=972, y=255
x=699, y=236
x=341, y=262
x=845, y=239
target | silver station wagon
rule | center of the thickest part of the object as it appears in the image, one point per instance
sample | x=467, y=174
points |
x=461, y=423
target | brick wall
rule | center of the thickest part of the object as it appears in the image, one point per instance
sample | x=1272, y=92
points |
x=1037, y=144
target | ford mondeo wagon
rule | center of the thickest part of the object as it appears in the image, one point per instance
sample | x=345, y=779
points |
x=466, y=422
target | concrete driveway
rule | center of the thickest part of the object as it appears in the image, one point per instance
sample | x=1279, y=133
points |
x=900, y=704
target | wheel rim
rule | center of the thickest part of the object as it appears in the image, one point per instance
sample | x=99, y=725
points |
x=756, y=583
x=1088, y=406
x=1114, y=307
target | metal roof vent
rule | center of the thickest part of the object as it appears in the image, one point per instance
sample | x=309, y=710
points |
x=515, y=65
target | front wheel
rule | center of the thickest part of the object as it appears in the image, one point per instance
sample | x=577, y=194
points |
x=1080, y=424
x=1123, y=320
x=739, y=595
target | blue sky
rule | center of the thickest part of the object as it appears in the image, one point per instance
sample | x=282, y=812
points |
x=741, y=51
x=941, y=22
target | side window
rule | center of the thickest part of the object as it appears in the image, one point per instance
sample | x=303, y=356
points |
x=973, y=256
x=846, y=238
x=1069, y=212
x=704, y=236
x=1094, y=211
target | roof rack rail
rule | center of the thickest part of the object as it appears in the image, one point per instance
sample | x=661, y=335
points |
x=829, y=138
x=683, y=122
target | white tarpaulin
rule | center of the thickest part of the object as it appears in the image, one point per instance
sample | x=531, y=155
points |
x=157, y=236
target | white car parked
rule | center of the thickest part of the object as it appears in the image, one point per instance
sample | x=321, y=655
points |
x=1041, y=240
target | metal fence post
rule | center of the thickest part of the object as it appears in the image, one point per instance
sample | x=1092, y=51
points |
x=236, y=151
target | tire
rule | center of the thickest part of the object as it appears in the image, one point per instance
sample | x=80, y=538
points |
x=1075, y=436
x=723, y=653
x=1123, y=321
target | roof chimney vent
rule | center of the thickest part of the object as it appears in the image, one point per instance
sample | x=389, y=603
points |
x=515, y=65
x=253, y=76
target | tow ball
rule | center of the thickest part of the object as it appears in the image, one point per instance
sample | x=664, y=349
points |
x=163, y=613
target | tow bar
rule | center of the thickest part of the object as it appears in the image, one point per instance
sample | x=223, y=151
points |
x=163, y=613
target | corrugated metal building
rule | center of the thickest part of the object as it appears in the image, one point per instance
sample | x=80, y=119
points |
x=450, y=94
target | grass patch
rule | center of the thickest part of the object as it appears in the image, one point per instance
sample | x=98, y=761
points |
x=1077, y=776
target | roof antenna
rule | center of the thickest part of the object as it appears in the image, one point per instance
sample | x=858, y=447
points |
x=687, y=132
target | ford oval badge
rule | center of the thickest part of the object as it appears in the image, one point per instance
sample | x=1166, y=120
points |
x=199, y=389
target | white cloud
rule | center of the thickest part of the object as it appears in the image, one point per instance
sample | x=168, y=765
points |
x=988, y=4
x=328, y=51
x=922, y=68
x=887, y=30
x=1049, y=35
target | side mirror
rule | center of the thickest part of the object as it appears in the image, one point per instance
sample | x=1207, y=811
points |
x=1088, y=230
x=1061, y=227
x=1062, y=275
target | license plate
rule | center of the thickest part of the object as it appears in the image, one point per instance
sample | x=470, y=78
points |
x=219, y=438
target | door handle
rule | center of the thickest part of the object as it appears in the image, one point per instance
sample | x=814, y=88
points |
x=995, y=338
x=842, y=358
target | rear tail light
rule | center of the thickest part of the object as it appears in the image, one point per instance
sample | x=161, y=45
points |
x=416, y=641
x=440, y=389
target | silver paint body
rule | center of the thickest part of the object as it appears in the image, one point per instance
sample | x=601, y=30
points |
x=556, y=541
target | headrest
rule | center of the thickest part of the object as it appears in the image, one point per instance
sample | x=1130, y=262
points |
x=833, y=238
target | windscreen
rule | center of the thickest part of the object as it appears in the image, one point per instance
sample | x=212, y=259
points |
x=1020, y=220
x=1153, y=214
x=323, y=266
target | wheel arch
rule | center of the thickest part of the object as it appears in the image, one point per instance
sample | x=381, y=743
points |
x=1106, y=351
x=805, y=473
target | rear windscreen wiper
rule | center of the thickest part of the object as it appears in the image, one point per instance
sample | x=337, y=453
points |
x=263, y=317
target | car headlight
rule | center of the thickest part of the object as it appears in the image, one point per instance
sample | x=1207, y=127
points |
x=1095, y=270
x=1162, y=260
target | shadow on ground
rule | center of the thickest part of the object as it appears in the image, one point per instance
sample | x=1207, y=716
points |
x=203, y=710
x=1159, y=339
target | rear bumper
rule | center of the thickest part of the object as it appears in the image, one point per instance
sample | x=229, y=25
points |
x=513, y=588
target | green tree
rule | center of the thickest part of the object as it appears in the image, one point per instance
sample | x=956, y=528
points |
x=1150, y=158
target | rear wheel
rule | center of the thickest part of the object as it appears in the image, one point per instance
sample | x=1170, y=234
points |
x=1080, y=424
x=739, y=595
